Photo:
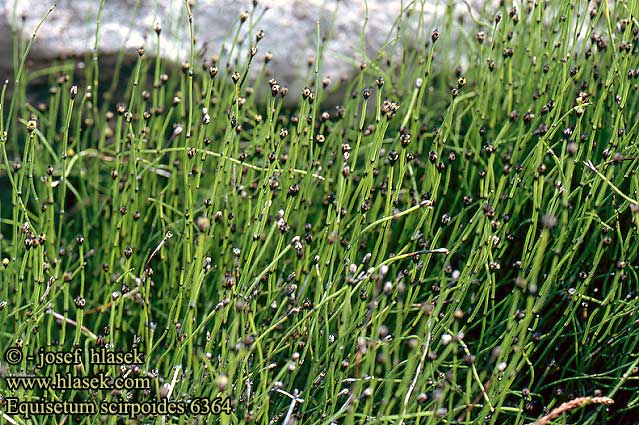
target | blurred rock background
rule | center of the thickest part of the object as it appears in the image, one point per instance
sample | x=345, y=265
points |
x=289, y=27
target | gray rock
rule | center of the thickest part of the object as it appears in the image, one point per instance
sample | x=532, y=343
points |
x=289, y=26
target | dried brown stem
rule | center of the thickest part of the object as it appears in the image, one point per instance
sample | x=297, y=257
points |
x=571, y=405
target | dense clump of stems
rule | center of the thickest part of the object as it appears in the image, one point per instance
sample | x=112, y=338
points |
x=453, y=241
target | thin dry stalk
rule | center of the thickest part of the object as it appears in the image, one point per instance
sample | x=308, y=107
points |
x=571, y=405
